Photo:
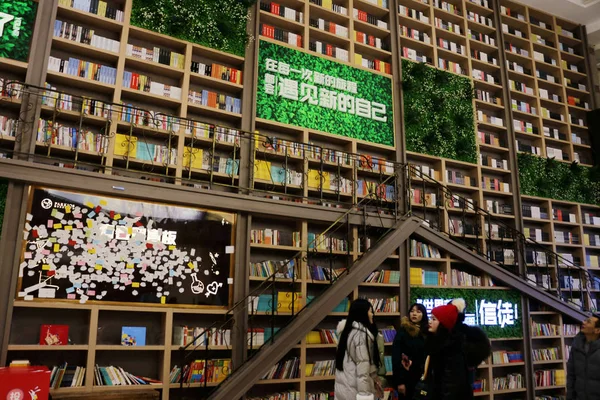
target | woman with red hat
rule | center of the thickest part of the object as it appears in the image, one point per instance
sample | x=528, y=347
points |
x=447, y=374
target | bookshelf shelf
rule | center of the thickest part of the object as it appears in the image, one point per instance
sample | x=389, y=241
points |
x=89, y=18
x=277, y=247
x=328, y=14
x=370, y=29
x=86, y=84
x=216, y=83
x=549, y=387
x=153, y=67
x=213, y=112
x=38, y=347
x=150, y=97
x=320, y=378
x=277, y=381
x=276, y=20
x=371, y=8
x=129, y=348
x=91, y=51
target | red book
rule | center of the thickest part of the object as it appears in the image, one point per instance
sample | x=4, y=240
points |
x=329, y=50
x=54, y=335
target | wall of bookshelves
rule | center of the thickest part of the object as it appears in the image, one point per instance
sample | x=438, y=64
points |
x=151, y=90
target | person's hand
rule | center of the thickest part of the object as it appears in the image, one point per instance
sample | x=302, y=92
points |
x=402, y=389
x=406, y=363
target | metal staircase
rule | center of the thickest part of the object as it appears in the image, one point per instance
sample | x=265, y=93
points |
x=495, y=263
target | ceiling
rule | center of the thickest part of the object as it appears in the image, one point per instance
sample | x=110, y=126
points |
x=585, y=12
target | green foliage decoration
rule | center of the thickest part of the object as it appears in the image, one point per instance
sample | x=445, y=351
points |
x=473, y=295
x=370, y=86
x=438, y=112
x=219, y=24
x=549, y=178
x=17, y=33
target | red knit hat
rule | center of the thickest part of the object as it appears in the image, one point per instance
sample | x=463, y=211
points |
x=447, y=315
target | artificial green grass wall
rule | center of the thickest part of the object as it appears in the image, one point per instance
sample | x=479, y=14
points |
x=219, y=24
x=546, y=177
x=438, y=113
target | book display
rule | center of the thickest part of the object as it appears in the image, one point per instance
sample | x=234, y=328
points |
x=124, y=101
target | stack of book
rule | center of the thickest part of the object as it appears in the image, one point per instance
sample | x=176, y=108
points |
x=548, y=354
x=419, y=249
x=201, y=371
x=419, y=276
x=571, y=329
x=506, y=357
x=384, y=276
x=80, y=34
x=157, y=55
x=8, y=126
x=274, y=237
x=184, y=335
x=550, y=378
x=289, y=395
x=320, y=242
x=385, y=305
x=541, y=329
x=216, y=100
x=322, y=336
x=133, y=80
x=218, y=71
x=97, y=7
x=321, y=368
x=117, y=376
x=281, y=269
x=289, y=369
x=282, y=11
x=83, y=69
x=54, y=133
x=319, y=273
x=67, y=376
x=511, y=381
x=388, y=334
x=461, y=278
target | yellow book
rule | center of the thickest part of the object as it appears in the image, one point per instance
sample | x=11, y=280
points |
x=284, y=301
x=125, y=145
x=309, y=369
x=315, y=178
x=262, y=170
x=102, y=8
x=327, y=4
x=357, y=59
x=586, y=239
x=560, y=377
x=416, y=276
x=192, y=158
x=313, y=337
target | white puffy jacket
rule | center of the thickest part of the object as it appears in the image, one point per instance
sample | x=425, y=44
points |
x=355, y=382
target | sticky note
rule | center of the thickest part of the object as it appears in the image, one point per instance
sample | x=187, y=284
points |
x=92, y=251
x=163, y=300
x=135, y=284
x=229, y=249
x=29, y=217
x=45, y=267
x=70, y=290
x=53, y=212
x=56, y=247
x=68, y=228
x=90, y=223
x=92, y=214
x=103, y=203
x=71, y=296
x=230, y=281
x=50, y=223
x=68, y=209
x=98, y=267
x=118, y=217
x=57, y=226
x=89, y=204
x=129, y=266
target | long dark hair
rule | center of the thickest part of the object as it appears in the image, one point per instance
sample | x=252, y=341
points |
x=424, y=324
x=359, y=312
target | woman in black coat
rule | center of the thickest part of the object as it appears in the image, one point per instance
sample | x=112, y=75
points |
x=448, y=371
x=408, y=351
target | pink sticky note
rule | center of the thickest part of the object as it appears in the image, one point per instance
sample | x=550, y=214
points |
x=27, y=255
x=46, y=252
x=71, y=296
x=139, y=214
x=81, y=262
x=127, y=283
x=91, y=293
x=50, y=223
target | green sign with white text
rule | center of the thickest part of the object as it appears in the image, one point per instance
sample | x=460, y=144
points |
x=17, y=18
x=497, y=312
x=305, y=90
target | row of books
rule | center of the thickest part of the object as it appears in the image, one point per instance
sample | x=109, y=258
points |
x=320, y=368
x=275, y=237
x=544, y=329
x=488, y=97
x=571, y=329
x=54, y=133
x=591, y=219
x=461, y=278
x=289, y=395
x=322, y=336
x=129, y=113
x=202, y=371
x=83, y=69
x=483, y=56
x=423, y=250
x=414, y=14
x=446, y=6
x=128, y=146
x=447, y=26
x=494, y=162
x=506, y=357
x=452, y=46
x=328, y=50
x=511, y=381
x=218, y=71
x=8, y=126
x=281, y=35
x=388, y=334
x=281, y=269
x=417, y=197
x=288, y=369
x=369, y=18
x=495, y=184
x=12, y=91
x=144, y=83
x=259, y=336
x=370, y=40
x=117, y=376
x=384, y=276
x=209, y=131
x=420, y=276
x=555, y=377
x=481, y=19
x=97, y=7
x=184, y=335
x=381, y=191
x=489, y=119
x=375, y=64
x=284, y=303
x=266, y=171
x=385, y=305
x=84, y=35
x=321, y=274
x=547, y=354
x=415, y=55
x=157, y=54
x=537, y=212
x=414, y=34
x=480, y=385
x=206, y=161
x=320, y=242
x=208, y=98
x=66, y=375
x=327, y=26
x=523, y=106
x=282, y=11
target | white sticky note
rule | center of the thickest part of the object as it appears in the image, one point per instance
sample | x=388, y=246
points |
x=22, y=294
x=229, y=249
x=181, y=290
x=47, y=293
x=29, y=217
x=29, y=297
x=230, y=281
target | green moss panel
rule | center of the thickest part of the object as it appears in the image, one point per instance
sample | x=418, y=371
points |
x=438, y=113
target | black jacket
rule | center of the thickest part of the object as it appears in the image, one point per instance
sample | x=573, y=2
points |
x=448, y=376
x=409, y=341
x=583, y=370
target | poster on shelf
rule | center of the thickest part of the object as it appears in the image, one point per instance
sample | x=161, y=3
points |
x=83, y=247
x=496, y=311
x=17, y=19
x=301, y=89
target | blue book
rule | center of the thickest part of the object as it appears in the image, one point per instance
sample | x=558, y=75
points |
x=145, y=151
x=133, y=336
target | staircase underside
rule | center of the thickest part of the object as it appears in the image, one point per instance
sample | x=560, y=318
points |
x=251, y=371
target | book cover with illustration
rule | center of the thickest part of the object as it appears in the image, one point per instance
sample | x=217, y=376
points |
x=133, y=336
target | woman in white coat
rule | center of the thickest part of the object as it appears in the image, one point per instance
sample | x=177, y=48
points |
x=357, y=357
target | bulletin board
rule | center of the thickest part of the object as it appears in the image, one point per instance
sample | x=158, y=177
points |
x=83, y=247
